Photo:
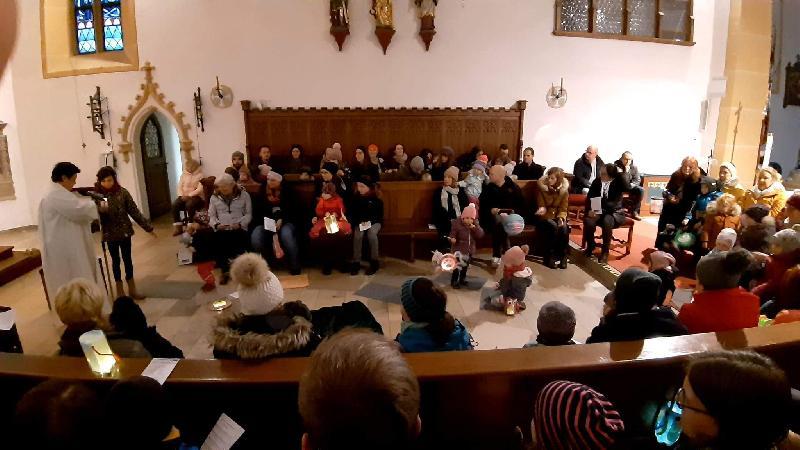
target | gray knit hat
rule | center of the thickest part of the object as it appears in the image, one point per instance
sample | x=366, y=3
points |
x=424, y=309
x=722, y=270
x=556, y=322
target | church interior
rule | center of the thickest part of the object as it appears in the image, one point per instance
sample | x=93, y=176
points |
x=530, y=207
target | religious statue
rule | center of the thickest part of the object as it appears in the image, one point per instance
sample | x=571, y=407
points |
x=339, y=13
x=382, y=10
x=427, y=8
x=427, y=12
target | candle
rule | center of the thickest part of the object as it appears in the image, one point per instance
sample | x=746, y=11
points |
x=97, y=351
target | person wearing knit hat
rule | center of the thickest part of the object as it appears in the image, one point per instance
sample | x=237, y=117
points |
x=662, y=265
x=366, y=211
x=569, y=415
x=238, y=163
x=728, y=181
x=556, y=325
x=427, y=326
x=464, y=234
x=632, y=312
x=768, y=191
x=442, y=162
x=726, y=239
x=417, y=166
x=448, y=201
x=719, y=304
x=723, y=213
x=516, y=277
x=259, y=289
x=473, y=183
x=329, y=173
x=784, y=254
x=374, y=157
x=500, y=197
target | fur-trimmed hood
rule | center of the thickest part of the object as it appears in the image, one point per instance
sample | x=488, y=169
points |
x=546, y=188
x=773, y=190
x=257, y=337
x=712, y=209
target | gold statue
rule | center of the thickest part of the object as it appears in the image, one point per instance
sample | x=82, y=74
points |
x=427, y=8
x=382, y=10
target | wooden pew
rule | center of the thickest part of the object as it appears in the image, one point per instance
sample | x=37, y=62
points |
x=469, y=399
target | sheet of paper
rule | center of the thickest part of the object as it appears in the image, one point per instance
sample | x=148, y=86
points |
x=681, y=297
x=596, y=204
x=7, y=319
x=270, y=225
x=224, y=434
x=184, y=256
x=364, y=226
x=431, y=226
x=159, y=369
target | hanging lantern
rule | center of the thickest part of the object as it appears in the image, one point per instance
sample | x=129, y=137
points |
x=98, y=353
x=331, y=224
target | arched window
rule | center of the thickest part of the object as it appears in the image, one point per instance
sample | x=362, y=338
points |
x=98, y=25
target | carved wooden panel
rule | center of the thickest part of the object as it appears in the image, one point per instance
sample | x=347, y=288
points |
x=416, y=128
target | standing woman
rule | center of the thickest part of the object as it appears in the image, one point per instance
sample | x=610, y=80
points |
x=609, y=186
x=552, y=197
x=115, y=213
x=448, y=202
x=768, y=191
x=682, y=191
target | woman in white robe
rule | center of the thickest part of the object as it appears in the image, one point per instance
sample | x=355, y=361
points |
x=64, y=223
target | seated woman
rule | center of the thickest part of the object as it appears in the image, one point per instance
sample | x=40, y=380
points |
x=632, y=311
x=631, y=175
x=768, y=191
x=728, y=182
x=130, y=322
x=427, y=159
x=465, y=161
x=609, y=187
x=396, y=159
x=448, y=202
x=190, y=194
x=427, y=326
x=552, y=198
x=362, y=167
x=296, y=164
x=367, y=214
x=79, y=305
x=262, y=165
x=682, y=190
x=719, y=304
x=229, y=213
x=442, y=162
x=735, y=400
x=328, y=174
x=278, y=205
x=375, y=158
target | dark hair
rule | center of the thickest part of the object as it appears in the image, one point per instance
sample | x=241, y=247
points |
x=237, y=154
x=138, y=413
x=381, y=390
x=63, y=169
x=58, y=414
x=127, y=317
x=424, y=153
x=755, y=238
x=757, y=212
x=473, y=153
x=295, y=146
x=746, y=393
x=106, y=172
x=232, y=172
x=503, y=147
x=434, y=301
x=266, y=147
x=612, y=170
x=528, y=148
x=778, y=168
x=736, y=261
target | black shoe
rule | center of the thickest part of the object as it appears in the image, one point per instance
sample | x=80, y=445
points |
x=355, y=268
x=563, y=263
x=373, y=267
x=548, y=262
x=294, y=271
x=603, y=259
x=589, y=252
x=326, y=270
x=454, y=280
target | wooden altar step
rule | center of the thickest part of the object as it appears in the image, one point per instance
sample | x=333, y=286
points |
x=14, y=264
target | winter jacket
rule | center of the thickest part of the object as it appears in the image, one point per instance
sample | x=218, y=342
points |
x=529, y=172
x=284, y=331
x=473, y=184
x=612, y=202
x=443, y=216
x=776, y=267
x=358, y=170
x=189, y=184
x=414, y=338
x=507, y=196
x=115, y=222
x=286, y=208
x=122, y=346
x=667, y=283
x=774, y=196
x=631, y=175
x=556, y=202
x=465, y=237
x=720, y=310
x=515, y=286
x=333, y=205
x=715, y=223
x=366, y=209
x=686, y=189
x=582, y=171
x=238, y=210
x=736, y=190
x=154, y=343
x=657, y=322
x=702, y=202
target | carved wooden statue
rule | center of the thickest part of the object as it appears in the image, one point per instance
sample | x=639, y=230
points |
x=340, y=21
x=427, y=12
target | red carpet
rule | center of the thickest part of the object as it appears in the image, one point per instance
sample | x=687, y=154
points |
x=644, y=236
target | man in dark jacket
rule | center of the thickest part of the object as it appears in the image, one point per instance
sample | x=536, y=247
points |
x=586, y=169
x=608, y=187
x=630, y=173
x=631, y=311
x=499, y=198
x=527, y=169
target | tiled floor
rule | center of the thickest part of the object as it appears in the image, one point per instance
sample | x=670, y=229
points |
x=179, y=309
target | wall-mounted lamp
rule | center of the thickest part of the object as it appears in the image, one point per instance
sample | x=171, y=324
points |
x=96, y=108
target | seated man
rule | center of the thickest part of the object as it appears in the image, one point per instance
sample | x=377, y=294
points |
x=630, y=173
x=229, y=213
x=527, y=169
x=586, y=169
x=381, y=391
x=499, y=198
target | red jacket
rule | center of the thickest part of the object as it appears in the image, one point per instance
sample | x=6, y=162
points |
x=721, y=310
x=777, y=265
x=333, y=205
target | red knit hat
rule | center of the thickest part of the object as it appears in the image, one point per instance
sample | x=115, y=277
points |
x=515, y=256
x=570, y=415
x=484, y=158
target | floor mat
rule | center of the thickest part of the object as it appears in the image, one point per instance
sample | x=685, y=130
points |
x=381, y=292
x=473, y=283
x=158, y=287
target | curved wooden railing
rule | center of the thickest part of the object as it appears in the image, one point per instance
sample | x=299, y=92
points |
x=470, y=399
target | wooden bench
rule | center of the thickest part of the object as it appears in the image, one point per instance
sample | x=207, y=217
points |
x=469, y=399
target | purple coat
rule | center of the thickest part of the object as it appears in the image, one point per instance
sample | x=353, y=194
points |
x=465, y=237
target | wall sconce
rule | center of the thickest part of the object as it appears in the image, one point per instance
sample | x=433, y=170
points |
x=98, y=353
x=96, y=107
x=198, y=111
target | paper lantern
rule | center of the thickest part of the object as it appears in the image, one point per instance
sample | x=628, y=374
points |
x=331, y=224
x=513, y=224
x=98, y=353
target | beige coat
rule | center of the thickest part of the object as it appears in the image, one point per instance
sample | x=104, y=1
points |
x=774, y=197
x=556, y=203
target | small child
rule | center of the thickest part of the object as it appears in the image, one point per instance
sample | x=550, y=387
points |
x=260, y=291
x=503, y=158
x=556, y=325
x=517, y=276
x=723, y=213
x=784, y=254
x=662, y=265
x=473, y=184
x=464, y=232
x=330, y=204
x=726, y=240
x=708, y=195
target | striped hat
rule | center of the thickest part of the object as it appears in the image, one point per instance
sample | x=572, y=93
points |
x=573, y=416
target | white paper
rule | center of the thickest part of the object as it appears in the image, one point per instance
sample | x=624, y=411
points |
x=7, y=320
x=184, y=256
x=234, y=294
x=596, y=204
x=681, y=297
x=159, y=369
x=364, y=226
x=224, y=434
x=431, y=226
x=270, y=225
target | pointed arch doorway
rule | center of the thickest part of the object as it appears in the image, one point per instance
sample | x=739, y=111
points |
x=154, y=165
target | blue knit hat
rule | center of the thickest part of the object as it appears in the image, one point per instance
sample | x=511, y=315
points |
x=416, y=311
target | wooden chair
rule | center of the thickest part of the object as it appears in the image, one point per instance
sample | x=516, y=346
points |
x=628, y=224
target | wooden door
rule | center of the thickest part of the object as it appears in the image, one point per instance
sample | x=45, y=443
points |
x=155, y=168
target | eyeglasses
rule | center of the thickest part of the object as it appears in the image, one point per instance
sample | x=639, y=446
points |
x=680, y=399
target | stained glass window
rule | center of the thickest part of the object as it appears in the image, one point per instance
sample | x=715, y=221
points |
x=642, y=18
x=152, y=139
x=84, y=25
x=608, y=16
x=112, y=25
x=575, y=15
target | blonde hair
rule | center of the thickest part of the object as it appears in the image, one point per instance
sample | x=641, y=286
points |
x=78, y=301
x=726, y=205
x=776, y=177
x=249, y=270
